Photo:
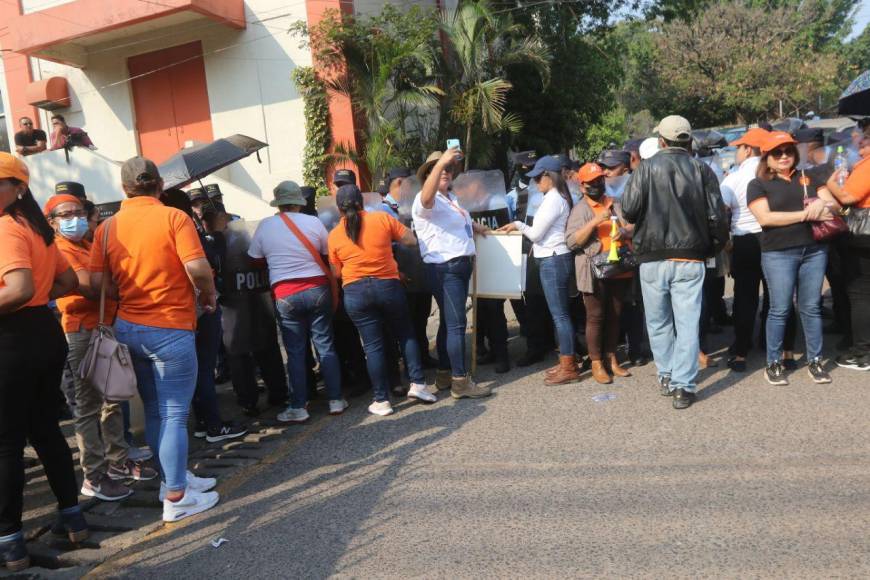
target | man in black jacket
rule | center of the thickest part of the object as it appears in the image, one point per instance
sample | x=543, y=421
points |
x=680, y=221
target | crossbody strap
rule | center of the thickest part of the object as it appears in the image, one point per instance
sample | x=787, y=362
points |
x=315, y=255
x=105, y=281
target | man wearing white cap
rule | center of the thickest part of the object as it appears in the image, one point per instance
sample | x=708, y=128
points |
x=680, y=220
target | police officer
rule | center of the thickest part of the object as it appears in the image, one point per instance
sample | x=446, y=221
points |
x=344, y=177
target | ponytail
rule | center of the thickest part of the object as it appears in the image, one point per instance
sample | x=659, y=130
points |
x=27, y=209
x=352, y=221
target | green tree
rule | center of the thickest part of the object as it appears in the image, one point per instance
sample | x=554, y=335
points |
x=612, y=128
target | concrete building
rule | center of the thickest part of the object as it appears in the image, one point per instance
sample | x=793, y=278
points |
x=150, y=77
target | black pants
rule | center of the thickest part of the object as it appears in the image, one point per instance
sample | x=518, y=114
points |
x=32, y=355
x=492, y=326
x=540, y=335
x=747, y=274
x=839, y=265
x=420, y=306
x=858, y=286
x=244, y=378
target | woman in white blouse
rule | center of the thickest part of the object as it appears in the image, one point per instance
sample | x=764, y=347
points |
x=555, y=259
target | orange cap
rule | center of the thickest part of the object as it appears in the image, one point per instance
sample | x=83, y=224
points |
x=777, y=139
x=590, y=172
x=11, y=166
x=56, y=200
x=753, y=138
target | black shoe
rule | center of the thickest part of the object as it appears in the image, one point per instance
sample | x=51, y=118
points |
x=224, y=432
x=738, y=366
x=665, y=386
x=502, y=365
x=586, y=364
x=683, y=399
x=429, y=362
x=200, y=431
x=640, y=361
x=531, y=357
x=818, y=373
x=775, y=374
x=854, y=362
x=72, y=526
x=251, y=410
x=13, y=554
x=789, y=364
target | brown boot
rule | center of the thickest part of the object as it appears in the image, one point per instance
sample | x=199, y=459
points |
x=443, y=379
x=567, y=372
x=578, y=360
x=466, y=387
x=615, y=369
x=599, y=373
x=703, y=360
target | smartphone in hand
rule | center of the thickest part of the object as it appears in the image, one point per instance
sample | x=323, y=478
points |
x=454, y=144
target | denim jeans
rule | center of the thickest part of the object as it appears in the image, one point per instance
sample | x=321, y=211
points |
x=449, y=283
x=303, y=316
x=556, y=272
x=208, y=342
x=372, y=303
x=672, y=294
x=802, y=268
x=165, y=364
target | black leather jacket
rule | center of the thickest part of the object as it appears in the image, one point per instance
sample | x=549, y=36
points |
x=675, y=204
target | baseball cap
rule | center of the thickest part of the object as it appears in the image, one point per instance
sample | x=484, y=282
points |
x=139, y=172
x=396, y=173
x=307, y=191
x=524, y=158
x=72, y=188
x=575, y=165
x=343, y=176
x=809, y=135
x=348, y=195
x=777, y=139
x=11, y=166
x=590, y=172
x=753, y=138
x=56, y=200
x=213, y=190
x=197, y=194
x=649, y=147
x=632, y=145
x=674, y=128
x=287, y=193
x=546, y=163
x=614, y=157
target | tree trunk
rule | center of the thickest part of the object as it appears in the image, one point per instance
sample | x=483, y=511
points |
x=467, y=145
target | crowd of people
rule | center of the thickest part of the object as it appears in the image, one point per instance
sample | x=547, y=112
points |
x=631, y=247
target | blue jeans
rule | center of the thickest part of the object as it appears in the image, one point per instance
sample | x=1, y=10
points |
x=371, y=303
x=802, y=268
x=303, y=316
x=208, y=342
x=672, y=294
x=449, y=283
x=165, y=364
x=556, y=272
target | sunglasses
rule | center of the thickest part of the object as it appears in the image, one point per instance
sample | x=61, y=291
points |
x=783, y=152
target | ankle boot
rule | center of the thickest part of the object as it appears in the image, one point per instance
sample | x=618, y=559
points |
x=567, y=372
x=71, y=525
x=13, y=554
x=466, y=387
x=615, y=369
x=443, y=379
x=578, y=361
x=600, y=374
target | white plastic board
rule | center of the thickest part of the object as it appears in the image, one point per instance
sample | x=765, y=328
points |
x=501, y=265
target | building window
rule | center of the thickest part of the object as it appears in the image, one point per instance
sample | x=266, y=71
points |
x=4, y=133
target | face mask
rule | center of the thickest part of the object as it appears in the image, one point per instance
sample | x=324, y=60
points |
x=74, y=228
x=595, y=190
x=615, y=185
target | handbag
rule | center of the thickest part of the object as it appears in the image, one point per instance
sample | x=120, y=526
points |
x=604, y=266
x=107, y=363
x=858, y=220
x=823, y=231
x=333, y=283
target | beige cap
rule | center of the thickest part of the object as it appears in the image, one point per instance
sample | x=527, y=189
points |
x=674, y=128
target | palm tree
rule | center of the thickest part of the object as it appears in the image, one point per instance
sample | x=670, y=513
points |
x=481, y=43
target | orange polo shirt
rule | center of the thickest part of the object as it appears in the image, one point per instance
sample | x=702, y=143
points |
x=77, y=312
x=603, y=231
x=372, y=256
x=858, y=183
x=148, y=246
x=24, y=249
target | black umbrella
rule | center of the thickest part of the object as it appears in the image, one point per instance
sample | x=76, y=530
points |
x=855, y=100
x=789, y=125
x=193, y=163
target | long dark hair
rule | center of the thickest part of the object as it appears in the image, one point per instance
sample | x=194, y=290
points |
x=765, y=173
x=561, y=187
x=28, y=210
x=350, y=203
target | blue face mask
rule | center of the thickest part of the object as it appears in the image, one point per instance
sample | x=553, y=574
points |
x=74, y=228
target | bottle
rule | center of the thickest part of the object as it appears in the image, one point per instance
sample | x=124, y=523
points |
x=840, y=166
x=613, y=256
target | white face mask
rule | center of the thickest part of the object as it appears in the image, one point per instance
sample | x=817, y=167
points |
x=616, y=185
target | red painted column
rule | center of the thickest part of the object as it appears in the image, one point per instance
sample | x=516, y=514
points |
x=17, y=69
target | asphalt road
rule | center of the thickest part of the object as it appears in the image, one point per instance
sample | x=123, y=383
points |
x=537, y=481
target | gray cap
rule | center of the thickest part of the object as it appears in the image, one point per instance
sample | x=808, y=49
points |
x=139, y=172
x=287, y=193
x=675, y=128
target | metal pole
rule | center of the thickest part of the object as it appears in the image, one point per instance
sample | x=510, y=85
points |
x=474, y=317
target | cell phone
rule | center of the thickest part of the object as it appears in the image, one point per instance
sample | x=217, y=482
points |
x=454, y=144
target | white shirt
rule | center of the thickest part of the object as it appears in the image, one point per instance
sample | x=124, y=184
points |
x=547, y=233
x=444, y=231
x=734, y=195
x=287, y=257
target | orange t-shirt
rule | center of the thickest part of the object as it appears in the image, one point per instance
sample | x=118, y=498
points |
x=858, y=183
x=149, y=244
x=24, y=249
x=603, y=230
x=372, y=256
x=77, y=312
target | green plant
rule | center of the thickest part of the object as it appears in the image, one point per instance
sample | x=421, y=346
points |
x=317, y=136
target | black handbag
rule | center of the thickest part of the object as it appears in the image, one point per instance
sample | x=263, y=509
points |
x=603, y=269
x=858, y=220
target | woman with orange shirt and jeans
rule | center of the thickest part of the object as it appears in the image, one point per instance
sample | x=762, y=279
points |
x=588, y=234
x=32, y=356
x=361, y=254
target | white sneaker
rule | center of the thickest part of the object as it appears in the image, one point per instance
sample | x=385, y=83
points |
x=421, y=392
x=139, y=454
x=383, y=408
x=291, y=415
x=193, y=482
x=337, y=406
x=193, y=502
